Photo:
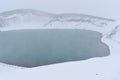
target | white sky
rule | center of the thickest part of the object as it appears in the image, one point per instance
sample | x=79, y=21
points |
x=103, y=8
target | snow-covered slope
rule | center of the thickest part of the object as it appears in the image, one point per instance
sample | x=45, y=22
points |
x=115, y=34
x=80, y=21
x=24, y=18
x=27, y=18
x=106, y=68
x=112, y=39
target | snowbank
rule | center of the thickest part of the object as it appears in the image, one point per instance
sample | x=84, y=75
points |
x=94, y=69
x=7, y=68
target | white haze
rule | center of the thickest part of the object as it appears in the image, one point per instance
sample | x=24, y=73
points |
x=102, y=8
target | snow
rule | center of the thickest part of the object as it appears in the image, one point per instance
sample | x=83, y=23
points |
x=105, y=68
x=35, y=19
x=7, y=68
x=24, y=17
x=94, y=69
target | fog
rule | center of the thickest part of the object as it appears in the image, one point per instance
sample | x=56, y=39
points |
x=102, y=8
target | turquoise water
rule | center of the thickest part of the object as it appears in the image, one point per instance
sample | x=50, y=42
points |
x=31, y=48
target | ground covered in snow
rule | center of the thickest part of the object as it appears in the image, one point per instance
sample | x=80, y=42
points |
x=105, y=68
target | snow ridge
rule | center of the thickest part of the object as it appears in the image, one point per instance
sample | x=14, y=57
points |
x=28, y=18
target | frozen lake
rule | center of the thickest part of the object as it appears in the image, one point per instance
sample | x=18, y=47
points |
x=31, y=48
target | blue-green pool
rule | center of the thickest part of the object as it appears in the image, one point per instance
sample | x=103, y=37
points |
x=31, y=48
